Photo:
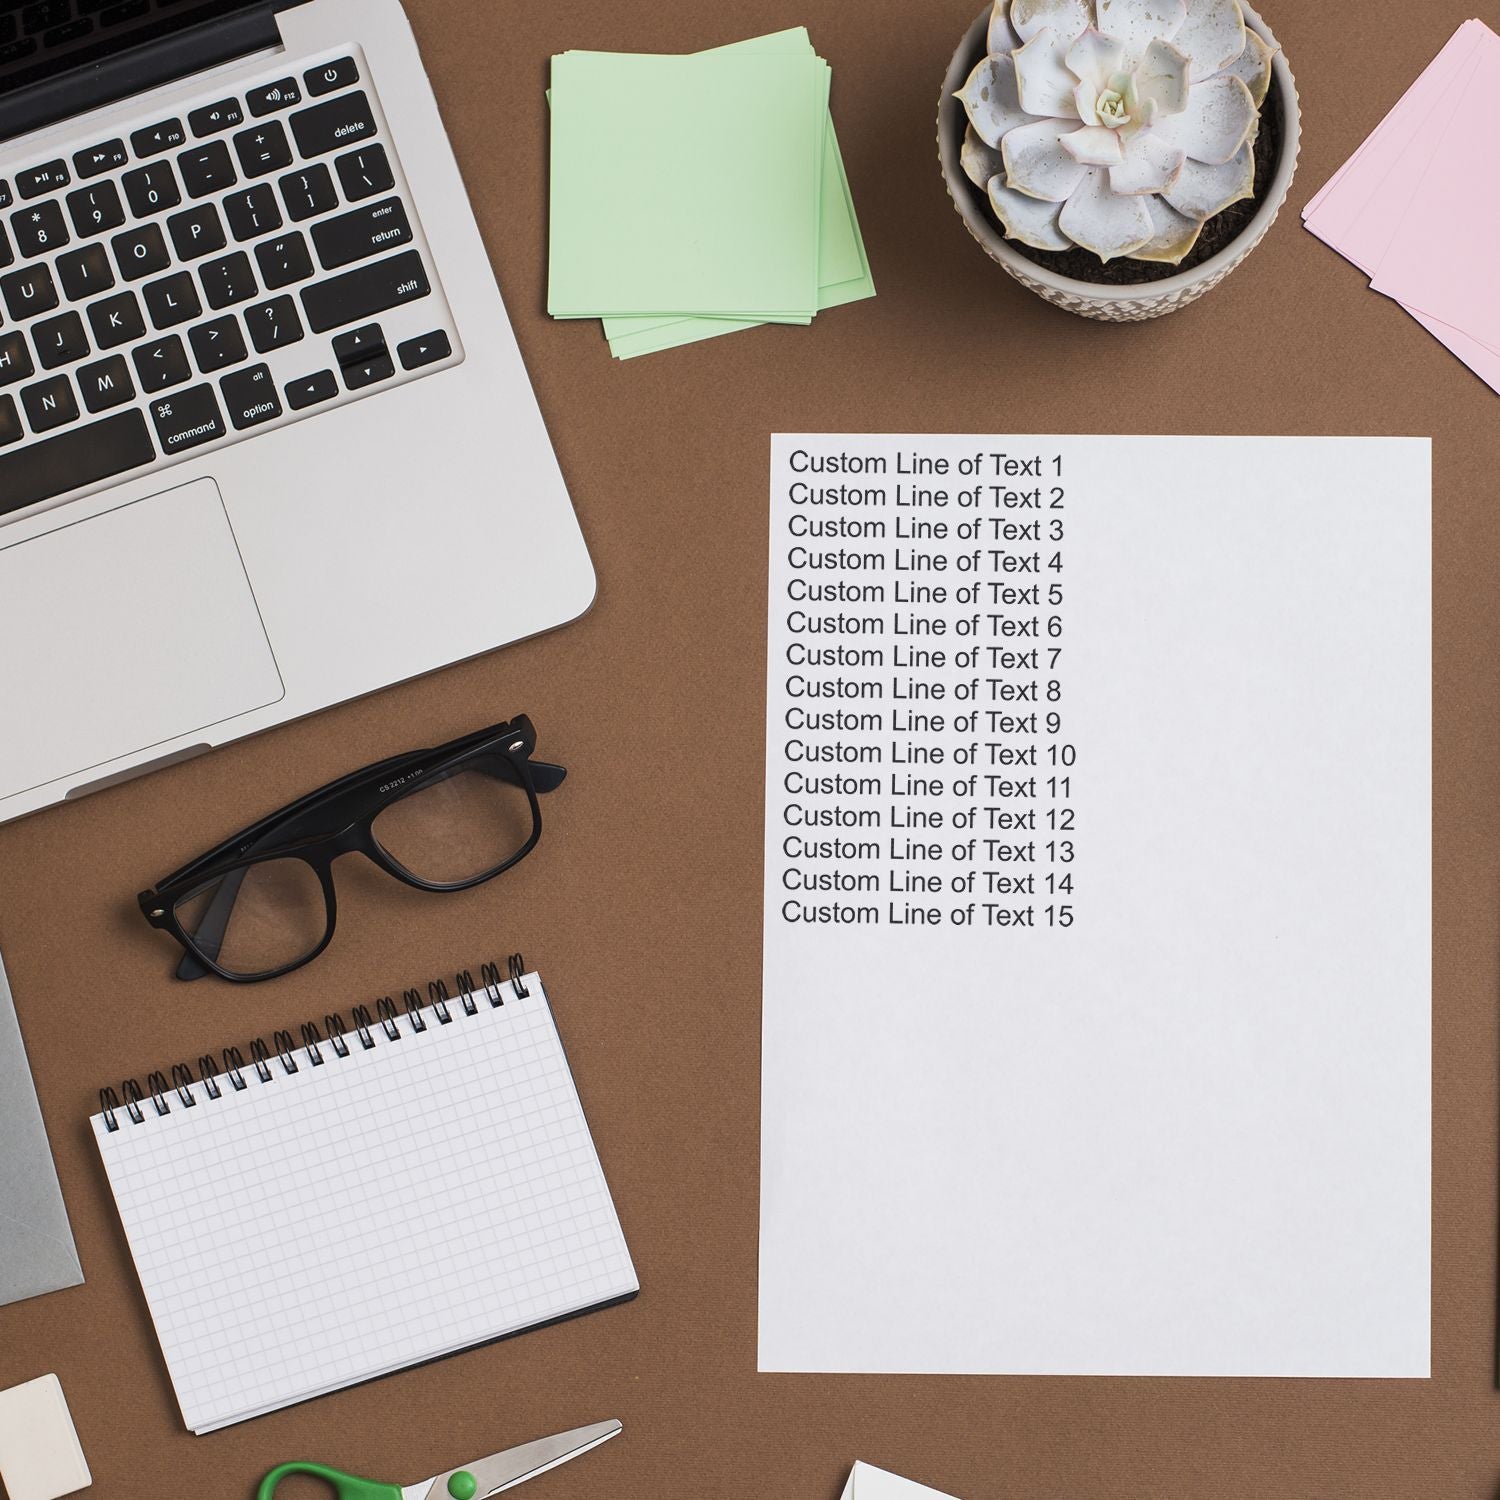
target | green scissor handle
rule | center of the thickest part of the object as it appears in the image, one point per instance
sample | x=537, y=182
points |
x=345, y=1486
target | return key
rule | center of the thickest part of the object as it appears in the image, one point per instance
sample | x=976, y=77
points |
x=364, y=232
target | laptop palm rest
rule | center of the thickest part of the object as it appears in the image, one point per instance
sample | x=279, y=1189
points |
x=124, y=632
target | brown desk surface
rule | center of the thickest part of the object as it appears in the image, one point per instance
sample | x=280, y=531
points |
x=642, y=906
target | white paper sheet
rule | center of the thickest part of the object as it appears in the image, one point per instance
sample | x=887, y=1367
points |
x=866, y=1482
x=1188, y=1133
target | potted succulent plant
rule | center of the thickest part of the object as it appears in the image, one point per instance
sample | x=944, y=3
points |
x=1119, y=157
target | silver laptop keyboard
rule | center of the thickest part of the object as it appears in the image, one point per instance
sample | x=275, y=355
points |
x=195, y=281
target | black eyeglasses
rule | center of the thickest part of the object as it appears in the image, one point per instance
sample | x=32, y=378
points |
x=262, y=903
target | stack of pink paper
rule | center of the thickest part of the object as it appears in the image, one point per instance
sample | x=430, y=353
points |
x=1416, y=209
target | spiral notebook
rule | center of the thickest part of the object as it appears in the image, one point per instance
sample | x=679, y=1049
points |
x=364, y=1197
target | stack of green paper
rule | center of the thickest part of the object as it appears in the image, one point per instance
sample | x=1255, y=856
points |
x=698, y=195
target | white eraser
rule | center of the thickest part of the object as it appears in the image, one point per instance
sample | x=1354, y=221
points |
x=40, y=1457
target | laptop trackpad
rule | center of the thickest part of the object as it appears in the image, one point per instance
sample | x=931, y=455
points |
x=125, y=631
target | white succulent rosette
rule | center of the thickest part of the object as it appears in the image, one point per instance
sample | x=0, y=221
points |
x=1121, y=126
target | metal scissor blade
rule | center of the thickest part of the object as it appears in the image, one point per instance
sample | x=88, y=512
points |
x=503, y=1471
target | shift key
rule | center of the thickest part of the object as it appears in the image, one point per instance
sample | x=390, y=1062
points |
x=357, y=296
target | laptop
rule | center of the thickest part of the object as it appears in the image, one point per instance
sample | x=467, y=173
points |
x=266, y=440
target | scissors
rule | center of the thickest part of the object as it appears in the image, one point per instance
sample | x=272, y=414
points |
x=475, y=1481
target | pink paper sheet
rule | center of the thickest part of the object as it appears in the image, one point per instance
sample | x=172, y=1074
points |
x=1418, y=98
x=1443, y=259
x=1372, y=200
x=1368, y=233
x=1334, y=213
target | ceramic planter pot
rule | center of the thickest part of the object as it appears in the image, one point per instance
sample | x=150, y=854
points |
x=1110, y=303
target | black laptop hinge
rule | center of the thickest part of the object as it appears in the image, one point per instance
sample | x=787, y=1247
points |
x=148, y=66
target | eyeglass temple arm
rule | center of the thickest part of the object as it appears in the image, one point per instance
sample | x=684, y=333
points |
x=210, y=934
x=546, y=777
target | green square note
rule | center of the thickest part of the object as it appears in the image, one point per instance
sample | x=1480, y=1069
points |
x=686, y=185
x=843, y=272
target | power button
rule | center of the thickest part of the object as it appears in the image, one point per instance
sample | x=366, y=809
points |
x=327, y=77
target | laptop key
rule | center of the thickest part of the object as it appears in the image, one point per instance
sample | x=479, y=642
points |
x=155, y=139
x=309, y=193
x=273, y=96
x=366, y=292
x=38, y=471
x=331, y=76
x=126, y=10
x=44, y=179
x=371, y=371
x=252, y=213
x=151, y=190
x=364, y=232
x=96, y=210
x=250, y=397
x=7, y=255
x=196, y=232
x=206, y=169
x=172, y=300
x=213, y=118
x=141, y=252
x=15, y=358
x=262, y=149
x=69, y=32
x=11, y=430
x=273, y=324
x=228, y=281
x=49, y=404
x=311, y=389
x=161, y=364
x=85, y=272
x=5, y=198
x=116, y=320
x=60, y=340
x=338, y=122
x=359, y=344
x=187, y=419
x=28, y=293
x=427, y=350
x=102, y=158
x=218, y=344
x=283, y=261
x=365, y=172
x=106, y=384
x=40, y=229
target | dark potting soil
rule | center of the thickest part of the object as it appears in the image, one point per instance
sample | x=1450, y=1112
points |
x=1084, y=265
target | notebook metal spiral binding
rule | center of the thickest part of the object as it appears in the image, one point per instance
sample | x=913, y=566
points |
x=368, y=1027
x=234, y=1065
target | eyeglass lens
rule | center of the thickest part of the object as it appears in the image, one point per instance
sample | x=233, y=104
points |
x=258, y=918
x=460, y=826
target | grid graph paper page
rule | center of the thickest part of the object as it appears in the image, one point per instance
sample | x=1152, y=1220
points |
x=359, y=1217
x=1098, y=905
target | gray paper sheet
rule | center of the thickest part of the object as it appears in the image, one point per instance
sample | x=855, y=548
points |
x=36, y=1245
